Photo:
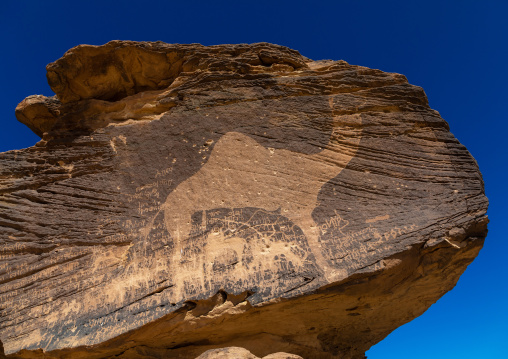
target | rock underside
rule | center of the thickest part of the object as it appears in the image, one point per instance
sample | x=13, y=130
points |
x=186, y=198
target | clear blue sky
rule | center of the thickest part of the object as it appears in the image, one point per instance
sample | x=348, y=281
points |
x=456, y=50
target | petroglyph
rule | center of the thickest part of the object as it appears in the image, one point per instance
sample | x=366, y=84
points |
x=241, y=173
x=228, y=191
x=230, y=248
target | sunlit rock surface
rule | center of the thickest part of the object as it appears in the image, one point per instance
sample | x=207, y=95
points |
x=185, y=198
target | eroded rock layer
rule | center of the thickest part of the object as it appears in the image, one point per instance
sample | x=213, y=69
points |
x=185, y=198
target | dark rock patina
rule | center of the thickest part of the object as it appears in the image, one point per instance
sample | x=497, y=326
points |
x=184, y=198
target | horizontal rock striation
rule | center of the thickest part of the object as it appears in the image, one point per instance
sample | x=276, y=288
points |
x=186, y=198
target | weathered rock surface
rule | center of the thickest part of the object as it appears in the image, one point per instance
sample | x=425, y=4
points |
x=186, y=198
x=241, y=353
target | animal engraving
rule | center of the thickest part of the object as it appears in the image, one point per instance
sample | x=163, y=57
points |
x=242, y=173
x=248, y=247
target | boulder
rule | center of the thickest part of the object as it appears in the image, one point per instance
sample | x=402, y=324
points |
x=185, y=198
x=241, y=353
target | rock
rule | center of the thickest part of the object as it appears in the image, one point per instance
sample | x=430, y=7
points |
x=241, y=353
x=122, y=68
x=39, y=113
x=185, y=198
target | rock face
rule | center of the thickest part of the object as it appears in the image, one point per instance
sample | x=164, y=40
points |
x=185, y=198
x=241, y=353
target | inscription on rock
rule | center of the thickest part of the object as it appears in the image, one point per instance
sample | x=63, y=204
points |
x=184, y=198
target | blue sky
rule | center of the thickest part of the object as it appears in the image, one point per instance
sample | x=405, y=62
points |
x=456, y=50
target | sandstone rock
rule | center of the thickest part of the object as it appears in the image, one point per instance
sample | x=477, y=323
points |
x=39, y=113
x=241, y=353
x=185, y=198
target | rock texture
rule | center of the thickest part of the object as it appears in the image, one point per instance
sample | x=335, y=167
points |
x=185, y=198
x=241, y=353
